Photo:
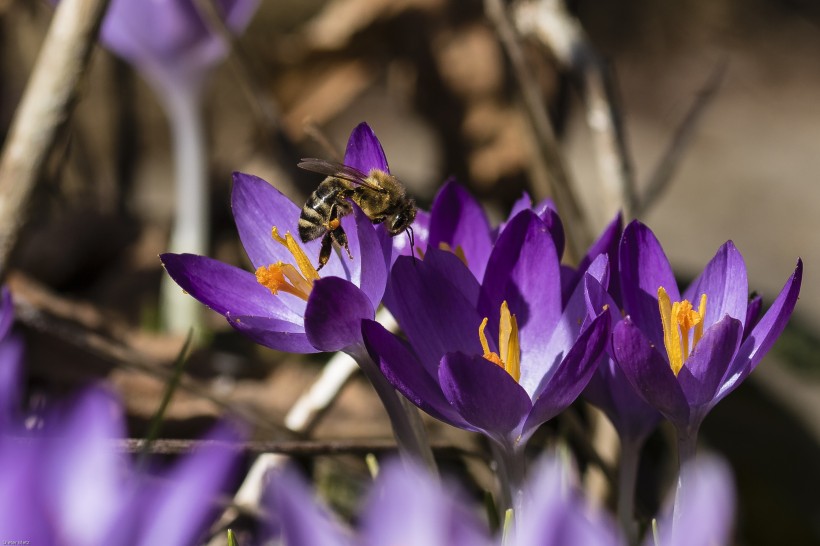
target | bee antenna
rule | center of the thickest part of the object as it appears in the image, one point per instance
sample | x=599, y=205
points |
x=412, y=238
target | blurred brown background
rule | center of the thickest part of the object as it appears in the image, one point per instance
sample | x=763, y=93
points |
x=435, y=84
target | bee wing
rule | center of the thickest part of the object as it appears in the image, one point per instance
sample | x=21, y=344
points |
x=338, y=170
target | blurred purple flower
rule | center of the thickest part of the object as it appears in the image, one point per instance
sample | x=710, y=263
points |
x=11, y=360
x=286, y=305
x=711, y=344
x=69, y=484
x=455, y=370
x=170, y=41
x=406, y=506
x=705, y=515
x=554, y=512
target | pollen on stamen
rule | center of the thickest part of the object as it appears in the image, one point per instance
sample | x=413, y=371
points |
x=678, y=320
x=508, y=345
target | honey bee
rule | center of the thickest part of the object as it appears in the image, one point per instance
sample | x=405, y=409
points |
x=381, y=196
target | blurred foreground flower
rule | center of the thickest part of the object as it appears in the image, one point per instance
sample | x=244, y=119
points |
x=67, y=484
x=174, y=45
x=171, y=41
x=409, y=507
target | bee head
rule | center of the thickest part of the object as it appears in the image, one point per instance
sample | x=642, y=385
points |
x=403, y=218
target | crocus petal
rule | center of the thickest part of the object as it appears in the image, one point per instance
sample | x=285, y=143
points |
x=452, y=268
x=607, y=244
x=608, y=388
x=277, y=334
x=180, y=510
x=334, y=314
x=752, y=315
x=724, y=282
x=300, y=520
x=764, y=334
x=434, y=314
x=706, y=510
x=421, y=234
x=523, y=269
x=701, y=374
x=229, y=290
x=409, y=507
x=407, y=375
x=644, y=268
x=170, y=32
x=571, y=376
x=364, y=151
x=554, y=514
x=368, y=268
x=257, y=208
x=648, y=372
x=544, y=362
x=84, y=466
x=459, y=221
x=484, y=394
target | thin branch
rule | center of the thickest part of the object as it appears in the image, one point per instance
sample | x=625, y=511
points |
x=82, y=326
x=682, y=138
x=550, y=155
x=553, y=26
x=297, y=448
x=47, y=102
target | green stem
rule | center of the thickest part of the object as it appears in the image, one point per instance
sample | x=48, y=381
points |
x=627, y=478
x=511, y=471
x=404, y=417
x=687, y=447
x=189, y=233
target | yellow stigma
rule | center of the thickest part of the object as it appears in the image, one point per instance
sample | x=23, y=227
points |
x=458, y=251
x=678, y=319
x=508, y=345
x=285, y=277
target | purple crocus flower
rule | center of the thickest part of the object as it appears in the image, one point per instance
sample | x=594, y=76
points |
x=683, y=353
x=609, y=389
x=457, y=222
x=68, y=484
x=406, y=506
x=500, y=357
x=171, y=41
x=286, y=305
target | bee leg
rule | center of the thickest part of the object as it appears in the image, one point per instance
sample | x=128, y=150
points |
x=340, y=237
x=324, y=253
x=335, y=230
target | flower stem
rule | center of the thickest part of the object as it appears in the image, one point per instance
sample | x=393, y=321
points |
x=687, y=446
x=178, y=311
x=627, y=478
x=511, y=470
x=404, y=417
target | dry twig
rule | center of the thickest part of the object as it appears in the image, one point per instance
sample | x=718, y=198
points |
x=562, y=34
x=83, y=326
x=668, y=164
x=549, y=155
x=46, y=104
